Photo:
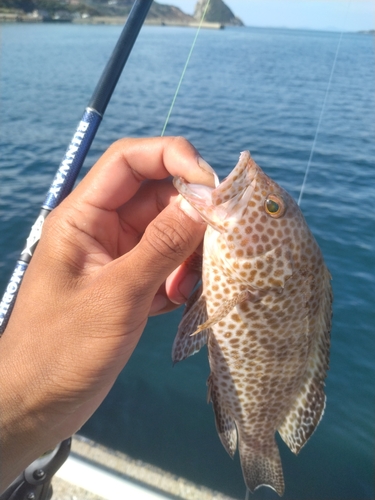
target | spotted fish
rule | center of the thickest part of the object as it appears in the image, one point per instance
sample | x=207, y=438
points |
x=264, y=310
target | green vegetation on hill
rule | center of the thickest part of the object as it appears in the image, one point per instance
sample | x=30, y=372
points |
x=25, y=5
x=94, y=8
x=49, y=6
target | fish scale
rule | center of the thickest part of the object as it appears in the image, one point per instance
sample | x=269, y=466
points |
x=264, y=310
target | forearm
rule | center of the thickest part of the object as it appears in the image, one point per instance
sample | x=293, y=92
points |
x=24, y=433
x=100, y=269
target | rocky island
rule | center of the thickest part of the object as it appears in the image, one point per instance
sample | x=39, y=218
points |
x=218, y=13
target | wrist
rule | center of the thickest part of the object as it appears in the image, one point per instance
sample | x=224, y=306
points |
x=24, y=432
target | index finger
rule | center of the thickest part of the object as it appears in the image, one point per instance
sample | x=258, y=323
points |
x=117, y=175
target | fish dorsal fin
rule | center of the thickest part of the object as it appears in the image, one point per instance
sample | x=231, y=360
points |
x=308, y=407
x=195, y=313
x=224, y=309
x=225, y=424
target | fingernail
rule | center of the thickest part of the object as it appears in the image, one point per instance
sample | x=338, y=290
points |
x=214, y=181
x=189, y=210
x=205, y=166
x=158, y=304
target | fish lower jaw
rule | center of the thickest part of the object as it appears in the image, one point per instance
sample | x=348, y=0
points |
x=197, y=193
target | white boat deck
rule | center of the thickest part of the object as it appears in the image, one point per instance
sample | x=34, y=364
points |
x=93, y=472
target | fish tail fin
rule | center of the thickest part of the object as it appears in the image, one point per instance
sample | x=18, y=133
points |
x=262, y=466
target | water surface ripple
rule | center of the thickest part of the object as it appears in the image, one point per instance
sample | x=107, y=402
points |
x=245, y=88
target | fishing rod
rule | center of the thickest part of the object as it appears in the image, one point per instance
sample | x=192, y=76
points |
x=34, y=483
x=78, y=148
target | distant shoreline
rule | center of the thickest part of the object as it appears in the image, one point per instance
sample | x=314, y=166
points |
x=17, y=17
x=149, y=22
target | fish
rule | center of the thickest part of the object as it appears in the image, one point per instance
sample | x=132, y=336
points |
x=264, y=310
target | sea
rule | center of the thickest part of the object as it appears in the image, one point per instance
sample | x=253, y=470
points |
x=276, y=92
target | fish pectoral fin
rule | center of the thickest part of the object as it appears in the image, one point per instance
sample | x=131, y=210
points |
x=223, y=310
x=184, y=344
x=225, y=424
x=261, y=465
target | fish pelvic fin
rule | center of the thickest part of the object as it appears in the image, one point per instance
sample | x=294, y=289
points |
x=195, y=313
x=261, y=466
x=225, y=424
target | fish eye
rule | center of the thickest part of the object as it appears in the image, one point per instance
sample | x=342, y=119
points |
x=274, y=206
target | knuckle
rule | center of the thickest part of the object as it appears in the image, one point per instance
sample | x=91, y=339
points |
x=118, y=145
x=180, y=143
x=179, y=139
x=168, y=240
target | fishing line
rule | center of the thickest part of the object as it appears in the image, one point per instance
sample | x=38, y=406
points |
x=184, y=70
x=321, y=113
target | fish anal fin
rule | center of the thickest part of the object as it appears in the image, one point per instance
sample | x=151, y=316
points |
x=309, y=403
x=304, y=416
x=225, y=424
x=223, y=310
x=261, y=466
x=195, y=313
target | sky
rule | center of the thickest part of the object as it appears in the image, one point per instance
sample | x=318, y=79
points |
x=347, y=15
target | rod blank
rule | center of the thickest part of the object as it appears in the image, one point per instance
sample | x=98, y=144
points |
x=78, y=148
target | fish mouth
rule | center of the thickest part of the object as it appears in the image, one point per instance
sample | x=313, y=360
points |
x=240, y=182
x=195, y=194
x=226, y=194
x=228, y=198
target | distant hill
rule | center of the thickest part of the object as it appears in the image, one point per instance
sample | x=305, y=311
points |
x=158, y=11
x=168, y=13
x=96, y=7
x=217, y=12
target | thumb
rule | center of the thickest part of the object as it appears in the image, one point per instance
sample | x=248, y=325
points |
x=167, y=242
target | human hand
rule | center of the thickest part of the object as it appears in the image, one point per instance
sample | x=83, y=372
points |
x=109, y=256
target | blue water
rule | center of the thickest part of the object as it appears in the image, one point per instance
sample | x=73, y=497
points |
x=245, y=88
